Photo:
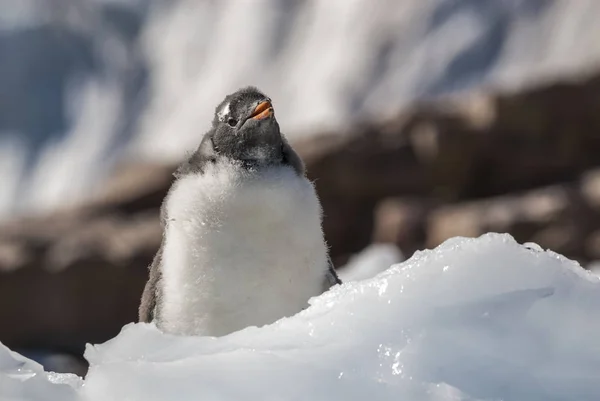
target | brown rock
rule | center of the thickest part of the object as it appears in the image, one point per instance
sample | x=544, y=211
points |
x=401, y=221
x=555, y=217
x=456, y=149
x=76, y=276
x=590, y=188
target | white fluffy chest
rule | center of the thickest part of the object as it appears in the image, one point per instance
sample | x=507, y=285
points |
x=242, y=249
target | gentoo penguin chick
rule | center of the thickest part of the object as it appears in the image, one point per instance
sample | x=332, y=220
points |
x=242, y=242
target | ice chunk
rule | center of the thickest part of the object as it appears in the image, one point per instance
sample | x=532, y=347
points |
x=474, y=319
x=22, y=379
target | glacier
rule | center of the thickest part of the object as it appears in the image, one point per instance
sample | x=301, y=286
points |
x=473, y=319
x=104, y=82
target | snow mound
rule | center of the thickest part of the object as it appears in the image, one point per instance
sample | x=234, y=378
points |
x=22, y=379
x=474, y=319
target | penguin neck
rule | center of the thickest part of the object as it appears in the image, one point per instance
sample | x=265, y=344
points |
x=241, y=249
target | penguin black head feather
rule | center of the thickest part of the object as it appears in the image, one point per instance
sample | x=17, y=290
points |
x=244, y=129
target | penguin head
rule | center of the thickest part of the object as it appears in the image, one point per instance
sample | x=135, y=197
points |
x=244, y=128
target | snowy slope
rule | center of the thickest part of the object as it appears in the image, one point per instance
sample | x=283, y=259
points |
x=86, y=83
x=474, y=319
x=22, y=379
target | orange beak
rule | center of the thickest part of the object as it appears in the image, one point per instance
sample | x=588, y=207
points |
x=263, y=110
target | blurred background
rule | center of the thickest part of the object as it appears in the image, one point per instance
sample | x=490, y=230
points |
x=419, y=120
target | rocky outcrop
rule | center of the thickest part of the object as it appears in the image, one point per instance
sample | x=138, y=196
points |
x=450, y=152
x=524, y=163
x=76, y=276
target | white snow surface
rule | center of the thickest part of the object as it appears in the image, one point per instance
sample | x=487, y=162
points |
x=22, y=379
x=474, y=319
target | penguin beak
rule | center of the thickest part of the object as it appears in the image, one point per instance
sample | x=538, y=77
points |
x=263, y=110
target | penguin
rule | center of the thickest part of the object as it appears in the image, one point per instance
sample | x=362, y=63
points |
x=242, y=242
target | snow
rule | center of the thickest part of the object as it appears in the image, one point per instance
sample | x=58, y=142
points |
x=160, y=69
x=347, y=60
x=22, y=379
x=474, y=319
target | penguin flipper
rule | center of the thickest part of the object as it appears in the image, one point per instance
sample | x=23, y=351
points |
x=149, y=296
x=331, y=277
x=291, y=158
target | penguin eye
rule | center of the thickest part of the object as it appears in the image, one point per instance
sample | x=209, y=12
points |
x=232, y=122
